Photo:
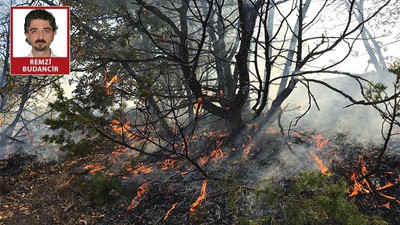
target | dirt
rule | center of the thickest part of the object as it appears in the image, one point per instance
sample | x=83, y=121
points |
x=39, y=194
x=34, y=192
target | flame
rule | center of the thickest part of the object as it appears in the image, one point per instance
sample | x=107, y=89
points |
x=214, y=155
x=120, y=128
x=7, y=151
x=107, y=84
x=66, y=183
x=364, y=186
x=319, y=142
x=273, y=130
x=201, y=198
x=169, y=211
x=198, y=105
x=94, y=167
x=184, y=173
x=387, y=205
x=387, y=196
x=141, y=169
x=175, y=129
x=211, y=134
x=169, y=163
x=357, y=187
x=256, y=127
x=141, y=191
x=117, y=153
x=246, y=149
x=323, y=168
x=386, y=186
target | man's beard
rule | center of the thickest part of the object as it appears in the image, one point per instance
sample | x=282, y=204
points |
x=42, y=47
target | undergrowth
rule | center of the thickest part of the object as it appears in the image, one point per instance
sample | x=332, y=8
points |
x=98, y=188
x=310, y=198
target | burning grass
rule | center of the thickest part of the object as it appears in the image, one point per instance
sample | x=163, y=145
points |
x=128, y=189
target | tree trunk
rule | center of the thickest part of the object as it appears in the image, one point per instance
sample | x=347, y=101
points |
x=3, y=97
x=10, y=129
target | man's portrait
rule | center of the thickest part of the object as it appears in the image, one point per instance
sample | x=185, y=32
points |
x=39, y=33
x=40, y=28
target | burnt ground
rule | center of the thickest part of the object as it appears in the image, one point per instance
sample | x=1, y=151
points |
x=35, y=192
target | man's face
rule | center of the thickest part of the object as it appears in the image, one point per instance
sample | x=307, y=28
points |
x=40, y=35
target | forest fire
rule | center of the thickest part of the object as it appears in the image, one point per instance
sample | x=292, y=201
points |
x=201, y=198
x=246, y=148
x=94, y=167
x=198, y=105
x=215, y=154
x=323, y=168
x=67, y=183
x=205, y=112
x=142, y=168
x=107, y=84
x=169, y=163
x=169, y=211
x=320, y=143
x=363, y=185
x=140, y=196
x=120, y=128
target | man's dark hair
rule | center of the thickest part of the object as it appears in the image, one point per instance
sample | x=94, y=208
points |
x=40, y=14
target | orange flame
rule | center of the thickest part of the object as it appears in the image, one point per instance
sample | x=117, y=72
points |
x=319, y=142
x=94, y=167
x=386, y=186
x=141, y=191
x=141, y=169
x=256, y=127
x=201, y=198
x=107, y=84
x=169, y=163
x=387, y=205
x=273, y=130
x=198, y=105
x=211, y=134
x=169, y=211
x=246, y=149
x=66, y=183
x=323, y=168
x=387, y=196
x=120, y=128
x=214, y=156
x=357, y=187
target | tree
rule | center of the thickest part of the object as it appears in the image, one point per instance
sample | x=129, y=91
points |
x=220, y=56
x=21, y=97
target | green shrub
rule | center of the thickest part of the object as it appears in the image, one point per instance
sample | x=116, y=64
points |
x=98, y=187
x=314, y=198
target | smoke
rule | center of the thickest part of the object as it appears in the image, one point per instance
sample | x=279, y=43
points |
x=362, y=122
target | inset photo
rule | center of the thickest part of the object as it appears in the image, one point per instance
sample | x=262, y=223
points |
x=40, y=40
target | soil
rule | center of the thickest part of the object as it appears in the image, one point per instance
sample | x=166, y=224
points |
x=34, y=192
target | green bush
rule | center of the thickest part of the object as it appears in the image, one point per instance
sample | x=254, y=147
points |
x=98, y=187
x=314, y=198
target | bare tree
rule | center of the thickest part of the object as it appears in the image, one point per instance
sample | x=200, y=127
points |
x=221, y=56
